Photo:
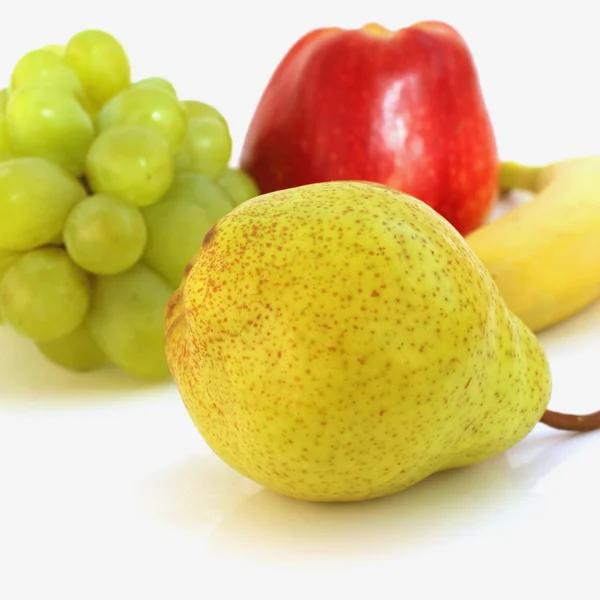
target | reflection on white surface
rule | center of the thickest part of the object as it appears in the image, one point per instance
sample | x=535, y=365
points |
x=246, y=520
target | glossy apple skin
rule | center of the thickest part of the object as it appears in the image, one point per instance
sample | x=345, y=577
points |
x=404, y=109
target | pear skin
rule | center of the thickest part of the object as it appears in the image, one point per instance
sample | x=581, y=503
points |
x=340, y=341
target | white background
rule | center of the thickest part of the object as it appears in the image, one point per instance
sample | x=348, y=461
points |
x=108, y=492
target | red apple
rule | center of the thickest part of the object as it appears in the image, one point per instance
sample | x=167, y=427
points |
x=401, y=108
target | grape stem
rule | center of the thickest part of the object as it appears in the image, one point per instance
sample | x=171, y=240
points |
x=568, y=422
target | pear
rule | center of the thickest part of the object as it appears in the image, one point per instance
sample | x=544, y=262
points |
x=340, y=341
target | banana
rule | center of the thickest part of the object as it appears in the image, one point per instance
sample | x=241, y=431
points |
x=545, y=254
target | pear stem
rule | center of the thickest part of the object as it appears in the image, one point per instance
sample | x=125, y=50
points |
x=515, y=176
x=568, y=422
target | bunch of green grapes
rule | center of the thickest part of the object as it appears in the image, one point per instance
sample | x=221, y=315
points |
x=107, y=188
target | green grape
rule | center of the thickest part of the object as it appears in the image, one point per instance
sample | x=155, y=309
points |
x=75, y=351
x=157, y=83
x=57, y=49
x=57, y=240
x=238, y=184
x=100, y=63
x=6, y=151
x=133, y=163
x=49, y=123
x=35, y=198
x=175, y=232
x=44, y=295
x=148, y=107
x=6, y=259
x=4, y=97
x=200, y=110
x=105, y=235
x=200, y=189
x=45, y=68
x=206, y=147
x=126, y=320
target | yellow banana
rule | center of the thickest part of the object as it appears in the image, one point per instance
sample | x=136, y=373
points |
x=545, y=254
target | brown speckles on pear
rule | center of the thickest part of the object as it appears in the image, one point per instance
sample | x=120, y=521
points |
x=173, y=309
x=343, y=342
x=209, y=235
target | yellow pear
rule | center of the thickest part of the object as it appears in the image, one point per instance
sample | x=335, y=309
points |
x=340, y=341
